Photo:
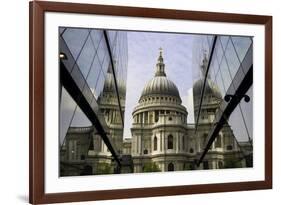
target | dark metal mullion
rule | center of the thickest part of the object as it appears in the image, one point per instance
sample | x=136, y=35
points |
x=114, y=75
x=205, y=79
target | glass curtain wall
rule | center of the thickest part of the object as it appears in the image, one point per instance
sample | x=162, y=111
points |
x=221, y=74
x=88, y=56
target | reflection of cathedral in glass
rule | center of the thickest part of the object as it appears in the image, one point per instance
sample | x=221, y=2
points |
x=161, y=139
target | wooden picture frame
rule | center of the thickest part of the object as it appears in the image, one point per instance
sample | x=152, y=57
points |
x=37, y=10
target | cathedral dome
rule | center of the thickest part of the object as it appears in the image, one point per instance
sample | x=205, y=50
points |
x=109, y=85
x=160, y=84
x=210, y=89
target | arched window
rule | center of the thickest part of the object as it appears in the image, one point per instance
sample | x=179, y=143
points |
x=82, y=157
x=204, y=139
x=229, y=147
x=183, y=142
x=156, y=115
x=205, y=165
x=91, y=146
x=170, y=142
x=87, y=170
x=171, y=167
x=218, y=141
x=220, y=164
x=155, y=143
x=191, y=150
x=150, y=118
x=145, y=151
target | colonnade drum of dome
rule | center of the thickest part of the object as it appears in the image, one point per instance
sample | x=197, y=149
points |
x=93, y=73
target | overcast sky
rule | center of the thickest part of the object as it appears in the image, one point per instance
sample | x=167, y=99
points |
x=143, y=48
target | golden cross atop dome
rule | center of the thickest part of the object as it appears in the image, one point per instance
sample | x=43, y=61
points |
x=161, y=50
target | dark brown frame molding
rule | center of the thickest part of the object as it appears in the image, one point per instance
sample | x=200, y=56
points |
x=36, y=101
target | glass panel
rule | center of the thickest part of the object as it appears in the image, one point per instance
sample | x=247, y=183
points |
x=247, y=110
x=96, y=37
x=210, y=40
x=225, y=74
x=111, y=36
x=99, y=85
x=237, y=125
x=106, y=61
x=224, y=41
x=82, y=138
x=219, y=52
x=67, y=108
x=80, y=119
x=232, y=59
x=214, y=67
x=87, y=93
x=78, y=77
x=241, y=45
x=102, y=49
x=86, y=57
x=200, y=60
x=94, y=74
x=61, y=30
x=75, y=39
x=220, y=83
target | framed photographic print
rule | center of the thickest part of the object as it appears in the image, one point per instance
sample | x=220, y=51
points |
x=139, y=102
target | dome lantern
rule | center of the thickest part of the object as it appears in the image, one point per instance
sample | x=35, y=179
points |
x=160, y=66
x=160, y=84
